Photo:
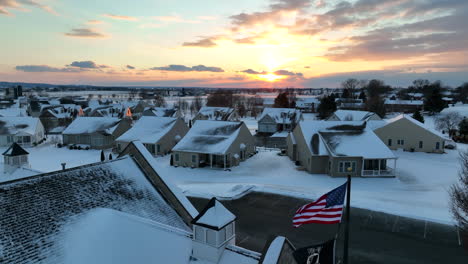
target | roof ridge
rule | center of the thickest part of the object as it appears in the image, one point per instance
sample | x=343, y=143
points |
x=59, y=171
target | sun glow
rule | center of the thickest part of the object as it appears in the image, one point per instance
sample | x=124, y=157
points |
x=270, y=77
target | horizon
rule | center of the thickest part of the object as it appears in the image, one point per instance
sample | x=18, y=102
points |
x=246, y=44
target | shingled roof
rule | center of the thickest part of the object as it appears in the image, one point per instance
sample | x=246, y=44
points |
x=37, y=211
x=15, y=150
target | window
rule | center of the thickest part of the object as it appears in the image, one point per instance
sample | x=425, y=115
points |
x=27, y=139
x=211, y=237
x=24, y=159
x=194, y=158
x=9, y=139
x=437, y=145
x=158, y=147
x=229, y=230
x=390, y=142
x=402, y=142
x=176, y=157
x=222, y=235
x=420, y=144
x=344, y=165
x=199, y=233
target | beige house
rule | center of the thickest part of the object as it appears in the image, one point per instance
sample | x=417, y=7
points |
x=219, y=144
x=331, y=147
x=275, y=120
x=217, y=114
x=404, y=132
x=158, y=134
x=95, y=132
x=353, y=115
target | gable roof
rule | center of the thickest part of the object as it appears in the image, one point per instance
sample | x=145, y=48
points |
x=17, y=124
x=89, y=125
x=353, y=115
x=213, y=137
x=216, y=113
x=15, y=150
x=343, y=138
x=160, y=111
x=417, y=123
x=148, y=129
x=214, y=215
x=36, y=210
x=282, y=115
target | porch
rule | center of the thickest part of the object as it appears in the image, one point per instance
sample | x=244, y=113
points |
x=379, y=168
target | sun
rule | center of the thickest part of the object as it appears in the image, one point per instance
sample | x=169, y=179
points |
x=270, y=77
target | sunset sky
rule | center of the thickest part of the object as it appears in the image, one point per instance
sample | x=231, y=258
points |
x=242, y=43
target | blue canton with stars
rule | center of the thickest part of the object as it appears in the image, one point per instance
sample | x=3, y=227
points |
x=336, y=196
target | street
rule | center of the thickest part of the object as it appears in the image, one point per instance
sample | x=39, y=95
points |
x=374, y=237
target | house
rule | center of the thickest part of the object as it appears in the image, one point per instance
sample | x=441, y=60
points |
x=26, y=131
x=161, y=112
x=353, y=115
x=120, y=211
x=95, y=132
x=219, y=144
x=217, y=114
x=158, y=134
x=403, y=106
x=404, y=132
x=333, y=147
x=57, y=117
x=308, y=104
x=275, y=120
x=350, y=103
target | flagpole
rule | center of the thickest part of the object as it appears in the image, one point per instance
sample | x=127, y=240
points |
x=348, y=209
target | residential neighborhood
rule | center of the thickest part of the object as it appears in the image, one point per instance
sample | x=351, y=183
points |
x=234, y=132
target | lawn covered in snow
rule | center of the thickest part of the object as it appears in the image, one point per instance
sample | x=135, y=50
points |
x=420, y=189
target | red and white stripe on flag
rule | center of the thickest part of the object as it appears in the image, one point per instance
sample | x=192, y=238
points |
x=317, y=212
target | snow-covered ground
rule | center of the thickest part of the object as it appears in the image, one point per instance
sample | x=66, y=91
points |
x=420, y=190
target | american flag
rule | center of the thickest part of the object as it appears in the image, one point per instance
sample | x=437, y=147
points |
x=325, y=210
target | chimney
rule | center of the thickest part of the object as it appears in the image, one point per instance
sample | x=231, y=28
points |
x=63, y=165
x=213, y=230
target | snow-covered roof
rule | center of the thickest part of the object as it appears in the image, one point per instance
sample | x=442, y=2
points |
x=273, y=253
x=212, y=137
x=416, y=122
x=364, y=144
x=88, y=125
x=307, y=101
x=15, y=125
x=13, y=111
x=160, y=111
x=214, y=215
x=112, y=237
x=46, y=204
x=282, y=115
x=216, y=113
x=353, y=115
x=148, y=129
x=404, y=102
x=343, y=138
x=16, y=173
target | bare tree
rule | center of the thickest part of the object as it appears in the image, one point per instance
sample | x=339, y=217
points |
x=448, y=122
x=182, y=105
x=459, y=195
x=159, y=101
x=351, y=85
x=197, y=103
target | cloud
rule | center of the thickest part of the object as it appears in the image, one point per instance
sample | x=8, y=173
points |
x=85, y=33
x=94, y=22
x=19, y=5
x=203, y=43
x=250, y=71
x=130, y=67
x=120, y=17
x=183, y=68
x=44, y=68
x=85, y=64
x=288, y=73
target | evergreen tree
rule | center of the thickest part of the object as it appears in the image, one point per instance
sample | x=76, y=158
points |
x=326, y=107
x=190, y=123
x=434, y=102
x=110, y=156
x=103, y=157
x=346, y=94
x=363, y=96
x=417, y=116
x=376, y=105
x=463, y=127
x=281, y=101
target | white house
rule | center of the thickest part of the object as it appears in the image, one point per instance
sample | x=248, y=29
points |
x=25, y=131
x=275, y=120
